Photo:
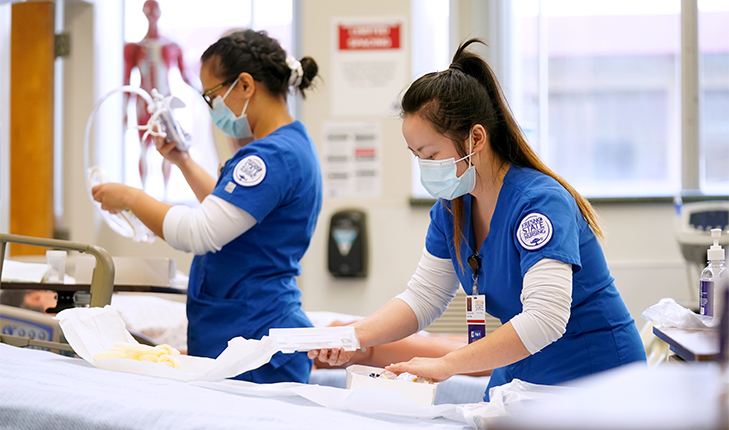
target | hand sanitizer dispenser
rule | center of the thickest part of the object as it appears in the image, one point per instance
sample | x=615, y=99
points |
x=710, y=283
x=348, y=244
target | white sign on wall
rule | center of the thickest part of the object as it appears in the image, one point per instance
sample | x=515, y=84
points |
x=369, y=66
x=352, y=159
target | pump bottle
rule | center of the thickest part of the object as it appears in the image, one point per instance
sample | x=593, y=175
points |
x=710, y=284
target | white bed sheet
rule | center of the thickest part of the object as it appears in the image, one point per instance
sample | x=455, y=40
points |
x=40, y=390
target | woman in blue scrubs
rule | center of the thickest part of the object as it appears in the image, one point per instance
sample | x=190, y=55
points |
x=508, y=226
x=256, y=220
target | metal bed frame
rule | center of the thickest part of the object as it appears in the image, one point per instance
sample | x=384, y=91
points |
x=102, y=280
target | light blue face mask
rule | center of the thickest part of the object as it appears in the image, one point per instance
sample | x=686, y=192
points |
x=226, y=120
x=440, y=180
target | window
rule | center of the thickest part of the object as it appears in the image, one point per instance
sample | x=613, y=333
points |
x=596, y=88
x=714, y=95
x=182, y=23
x=599, y=92
x=429, y=53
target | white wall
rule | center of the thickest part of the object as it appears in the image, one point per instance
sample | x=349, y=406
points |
x=643, y=255
x=396, y=235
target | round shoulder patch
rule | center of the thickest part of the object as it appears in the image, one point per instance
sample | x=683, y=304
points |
x=249, y=171
x=535, y=231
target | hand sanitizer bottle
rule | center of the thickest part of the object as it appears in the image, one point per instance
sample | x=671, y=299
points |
x=710, y=284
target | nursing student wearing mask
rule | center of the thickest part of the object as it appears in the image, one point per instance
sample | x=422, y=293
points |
x=510, y=228
x=256, y=220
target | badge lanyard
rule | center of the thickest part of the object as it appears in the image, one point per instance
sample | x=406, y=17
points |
x=475, y=304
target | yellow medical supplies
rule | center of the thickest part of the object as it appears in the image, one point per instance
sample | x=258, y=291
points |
x=163, y=354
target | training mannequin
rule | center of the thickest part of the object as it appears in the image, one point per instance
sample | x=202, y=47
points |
x=153, y=56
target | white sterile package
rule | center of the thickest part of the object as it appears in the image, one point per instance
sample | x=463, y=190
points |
x=307, y=338
x=668, y=313
x=91, y=331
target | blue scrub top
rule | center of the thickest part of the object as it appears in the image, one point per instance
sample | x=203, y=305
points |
x=536, y=217
x=249, y=286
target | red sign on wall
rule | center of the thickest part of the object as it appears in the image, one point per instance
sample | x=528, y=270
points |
x=369, y=36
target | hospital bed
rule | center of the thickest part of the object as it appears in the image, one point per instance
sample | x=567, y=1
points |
x=43, y=390
x=100, y=289
x=23, y=327
x=40, y=388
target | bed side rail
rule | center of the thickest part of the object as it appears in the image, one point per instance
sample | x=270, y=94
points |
x=102, y=279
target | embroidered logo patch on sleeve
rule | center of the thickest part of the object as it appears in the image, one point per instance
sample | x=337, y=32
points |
x=534, y=231
x=249, y=171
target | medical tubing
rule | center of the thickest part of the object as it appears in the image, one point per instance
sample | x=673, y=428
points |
x=129, y=89
x=126, y=88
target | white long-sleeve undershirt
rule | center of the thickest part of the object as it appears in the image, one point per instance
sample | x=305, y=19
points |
x=206, y=228
x=546, y=298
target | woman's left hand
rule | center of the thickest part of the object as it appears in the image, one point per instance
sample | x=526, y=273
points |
x=433, y=368
x=113, y=197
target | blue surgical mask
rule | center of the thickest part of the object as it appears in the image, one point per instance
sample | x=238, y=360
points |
x=440, y=180
x=226, y=120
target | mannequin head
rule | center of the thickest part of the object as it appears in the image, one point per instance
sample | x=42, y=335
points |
x=151, y=11
x=36, y=300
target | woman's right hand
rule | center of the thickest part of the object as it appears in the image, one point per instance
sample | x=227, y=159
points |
x=169, y=151
x=333, y=357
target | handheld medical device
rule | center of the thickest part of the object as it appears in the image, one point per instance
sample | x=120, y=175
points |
x=162, y=107
x=161, y=123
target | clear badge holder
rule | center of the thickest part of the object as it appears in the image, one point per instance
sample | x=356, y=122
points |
x=290, y=340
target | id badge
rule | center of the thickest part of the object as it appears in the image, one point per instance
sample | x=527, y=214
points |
x=476, y=317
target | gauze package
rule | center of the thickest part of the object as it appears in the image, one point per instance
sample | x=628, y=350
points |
x=90, y=331
x=668, y=313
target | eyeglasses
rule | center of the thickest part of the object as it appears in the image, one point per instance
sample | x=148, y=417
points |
x=206, y=94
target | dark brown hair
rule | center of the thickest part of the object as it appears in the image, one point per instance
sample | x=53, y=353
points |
x=465, y=94
x=261, y=56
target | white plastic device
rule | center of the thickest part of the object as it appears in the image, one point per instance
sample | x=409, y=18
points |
x=161, y=110
x=290, y=340
x=126, y=223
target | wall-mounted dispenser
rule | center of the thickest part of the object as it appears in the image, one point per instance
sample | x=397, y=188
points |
x=348, y=244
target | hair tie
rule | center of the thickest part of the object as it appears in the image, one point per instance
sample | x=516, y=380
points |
x=297, y=72
x=455, y=66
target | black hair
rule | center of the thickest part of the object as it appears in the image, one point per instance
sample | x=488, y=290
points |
x=261, y=56
x=466, y=94
x=15, y=298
